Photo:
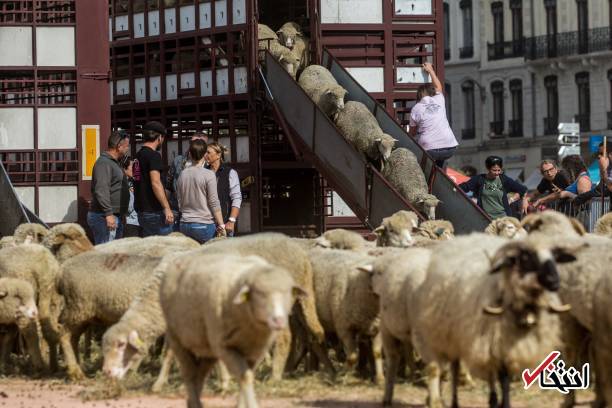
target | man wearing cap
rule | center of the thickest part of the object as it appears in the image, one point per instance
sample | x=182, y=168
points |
x=150, y=201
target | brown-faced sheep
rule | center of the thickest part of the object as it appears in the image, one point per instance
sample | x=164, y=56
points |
x=67, y=240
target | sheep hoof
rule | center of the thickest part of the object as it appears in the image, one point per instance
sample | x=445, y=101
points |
x=76, y=375
x=157, y=387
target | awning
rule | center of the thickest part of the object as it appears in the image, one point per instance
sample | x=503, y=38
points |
x=533, y=180
x=457, y=177
x=514, y=174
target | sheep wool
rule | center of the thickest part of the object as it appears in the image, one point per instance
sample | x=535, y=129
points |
x=321, y=86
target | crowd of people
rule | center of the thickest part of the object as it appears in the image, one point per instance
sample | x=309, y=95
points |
x=199, y=196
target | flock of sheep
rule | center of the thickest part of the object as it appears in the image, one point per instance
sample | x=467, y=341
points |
x=488, y=304
x=353, y=119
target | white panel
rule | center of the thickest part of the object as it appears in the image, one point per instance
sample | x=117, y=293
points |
x=171, y=150
x=372, y=79
x=187, y=18
x=412, y=7
x=170, y=20
x=220, y=13
x=15, y=46
x=225, y=141
x=57, y=128
x=239, y=12
x=139, y=25
x=244, y=220
x=411, y=75
x=123, y=87
x=206, y=83
x=242, y=149
x=140, y=89
x=154, y=88
x=171, y=86
x=188, y=80
x=55, y=46
x=57, y=203
x=205, y=17
x=340, y=207
x=26, y=196
x=222, y=83
x=153, y=23
x=240, y=80
x=110, y=30
x=16, y=128
x=122, y=23
x=351, y=11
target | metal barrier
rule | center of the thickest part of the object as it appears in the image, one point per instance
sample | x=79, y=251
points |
x=587, y=213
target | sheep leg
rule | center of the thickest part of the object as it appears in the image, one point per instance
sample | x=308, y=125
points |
x=32, y=340
x=378, y=359
x=392, y=359
x=504, y=380
x=193, y=371
x=455, y=372
x=224, y=376
x=6, y=341
x=350, y=346
x=493, y=401
x=309, y=313
x=162, y=378
x=75, y=372
x=434, y=399
x=281, y=352
x=240, y=369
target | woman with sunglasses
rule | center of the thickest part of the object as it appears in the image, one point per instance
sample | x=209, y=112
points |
x=491, y=189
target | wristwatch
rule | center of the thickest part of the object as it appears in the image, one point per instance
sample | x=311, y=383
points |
x=232, y=219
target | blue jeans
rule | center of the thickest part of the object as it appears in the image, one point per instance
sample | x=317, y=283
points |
x=101, y=233
x=153, y=223
x=199, y=232
x=440, y=156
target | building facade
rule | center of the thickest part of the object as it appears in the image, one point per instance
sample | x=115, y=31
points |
x=534, y=63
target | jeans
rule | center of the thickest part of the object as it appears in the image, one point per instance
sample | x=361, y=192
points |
x=199, y=232
x=153, y=223
x=440, y=156
x=101, y=233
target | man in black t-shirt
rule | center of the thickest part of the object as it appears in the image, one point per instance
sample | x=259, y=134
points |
x=150, y=201
x=553, y=182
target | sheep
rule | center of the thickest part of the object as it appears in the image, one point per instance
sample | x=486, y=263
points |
x=97, y=287
x=67, y=240
x=396, y=230
x=224, y=307
x=360, y=128
x=511, y=281
x=157, y=246
x=604, y=225
x=269, y=41
x=17, y=307
x=341, y=239
x=30, y=233
x=436, y=230
x=405, y=174
x=552, y=224
x=507, y=227
x=7, y=241
x=321, y=86
x=290, y=35
x=283, y=252
x=36, y=265
x=346, y=304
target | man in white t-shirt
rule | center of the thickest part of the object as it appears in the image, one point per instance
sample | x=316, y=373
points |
x=428, y=120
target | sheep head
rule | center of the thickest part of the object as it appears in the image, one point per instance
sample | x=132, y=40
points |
x=396, y=230
x=439, y=230
x=288, y=34
x=427, y=205
x=17, y=302
x=289, y=61
x=334, y=98
x=507, y=227
x=30, y=233
x=604, y=225
x=67, y=240
x=384, y=145
x=122, y=349
x=528, y=276
x=551, y=222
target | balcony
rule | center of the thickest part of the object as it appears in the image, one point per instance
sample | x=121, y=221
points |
x=515, y=127
x=585, y=122
x=467, y=134
x=497, y=128
x=446, y=54
x=466, y=52
x=569, y=43
x=550, y=125
x=508, y=49
x=609, y=120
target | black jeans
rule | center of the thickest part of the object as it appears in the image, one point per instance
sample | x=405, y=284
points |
x=440, y=156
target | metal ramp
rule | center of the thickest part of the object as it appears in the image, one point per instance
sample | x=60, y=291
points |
x=315, y=138
x=13, y=211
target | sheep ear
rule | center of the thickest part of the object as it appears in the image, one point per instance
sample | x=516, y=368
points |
x=135, y=340
x=369, y=268
x=323, y=242
x=298, y=292
x=379, y=230
x=567, y=254
x=395, y=140
x=329, y=92
x=281, y=58
x=243, y=295
x=378, y=140
x=578, y=227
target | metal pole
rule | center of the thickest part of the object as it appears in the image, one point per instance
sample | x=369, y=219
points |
x=603, y=178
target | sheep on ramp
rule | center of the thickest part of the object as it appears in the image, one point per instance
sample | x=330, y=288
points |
x=321, y=86
x=291, y=36
x=268, y=40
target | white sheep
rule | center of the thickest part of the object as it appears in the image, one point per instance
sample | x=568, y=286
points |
x=152, y=246
x=291, y=36
x=507, y=227
x=360, y=128
x=604, y=225
x=513, y=282
x=405, y=174
x=321, y=86
x=436, y=230
x=340, y=238
x=269, y=41
x=67, y=240
x=552, y=224
x=224, y=307
x=30, y=233
x=396, y=230
x=97, y=287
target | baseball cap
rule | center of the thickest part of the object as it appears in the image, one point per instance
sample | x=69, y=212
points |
x=155, y=127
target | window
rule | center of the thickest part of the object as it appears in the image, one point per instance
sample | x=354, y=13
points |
x=552, y=105
x=469, y=111
x=447, y=100
x=551, y=27
x=516, y=124
x=517, y=27
x=584, y=101
x=497, y=8
x=583, y=26
x=497, y=89
x=468, y=41
x=446, y=31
